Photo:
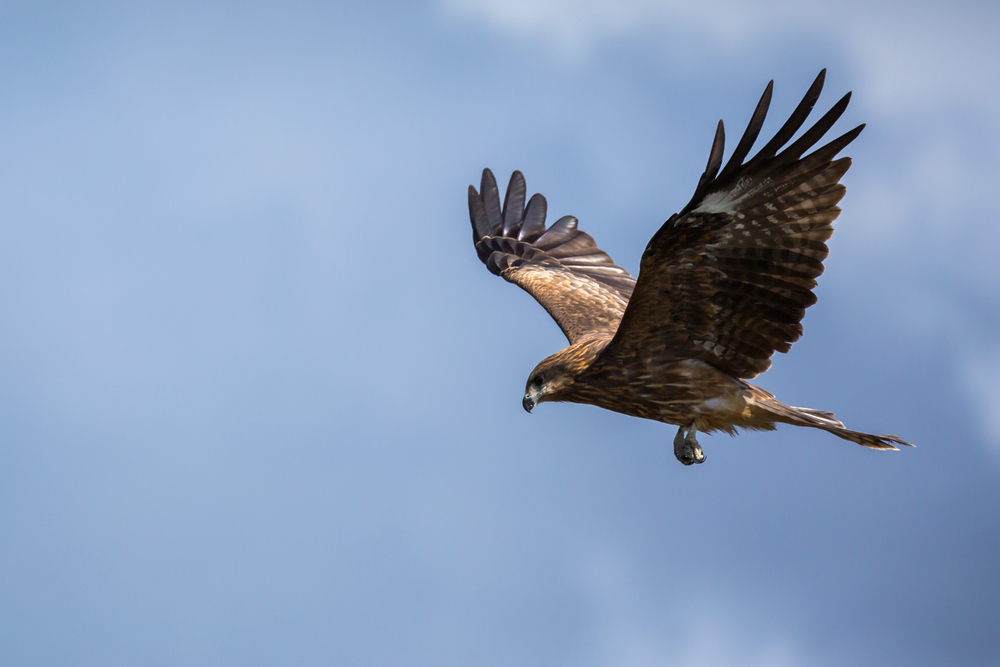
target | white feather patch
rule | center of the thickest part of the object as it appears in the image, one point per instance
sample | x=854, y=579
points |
x=719, y=202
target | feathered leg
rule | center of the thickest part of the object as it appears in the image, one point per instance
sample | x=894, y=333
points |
x=686, y=447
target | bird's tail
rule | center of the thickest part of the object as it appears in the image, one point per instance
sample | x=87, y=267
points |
x=820, y=419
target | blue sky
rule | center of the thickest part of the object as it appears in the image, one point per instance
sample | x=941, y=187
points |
x=260, y=402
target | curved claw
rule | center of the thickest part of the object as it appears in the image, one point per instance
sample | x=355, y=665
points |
x=686, y=447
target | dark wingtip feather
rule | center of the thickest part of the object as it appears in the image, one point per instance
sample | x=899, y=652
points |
x=712, y=168
x=794, y=121
x=814, y=133
x=735, y=166
x=715, y=155
x=513, y=204
x=491, y=199
x=477, y=214
x=534, y=219
x=843, y=140
x=750, y=134
x=561, y=231
x=830, y=150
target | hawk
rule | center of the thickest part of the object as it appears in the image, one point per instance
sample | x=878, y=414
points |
x=722, y=285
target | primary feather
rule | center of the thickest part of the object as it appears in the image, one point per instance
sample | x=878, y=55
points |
x=562, y=267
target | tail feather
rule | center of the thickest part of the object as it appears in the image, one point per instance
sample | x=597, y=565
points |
x=822, y=415
x=867, y=439
x=824, y=420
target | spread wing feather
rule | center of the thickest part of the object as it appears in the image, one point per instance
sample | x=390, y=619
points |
x=727, y=280
x=575, y=281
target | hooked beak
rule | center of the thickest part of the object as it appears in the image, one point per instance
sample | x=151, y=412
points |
x=528, y=403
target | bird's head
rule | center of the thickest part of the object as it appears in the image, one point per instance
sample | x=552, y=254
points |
x=551, y=380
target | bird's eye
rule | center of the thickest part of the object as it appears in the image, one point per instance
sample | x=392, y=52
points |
x=537, y=381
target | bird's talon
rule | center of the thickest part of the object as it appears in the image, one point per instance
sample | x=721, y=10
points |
x=686, y=448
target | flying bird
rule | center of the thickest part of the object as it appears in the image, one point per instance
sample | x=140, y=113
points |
x=722, y=285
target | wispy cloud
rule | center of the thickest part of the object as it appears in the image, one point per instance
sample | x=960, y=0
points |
x=633, y=631
x=926, y=54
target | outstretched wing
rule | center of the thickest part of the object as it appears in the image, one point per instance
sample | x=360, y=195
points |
x=727, y=280
x=575, y=281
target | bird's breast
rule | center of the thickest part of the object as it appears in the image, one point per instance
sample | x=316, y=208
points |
x=677, y=392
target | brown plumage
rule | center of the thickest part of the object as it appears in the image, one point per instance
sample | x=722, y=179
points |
x=722, y=285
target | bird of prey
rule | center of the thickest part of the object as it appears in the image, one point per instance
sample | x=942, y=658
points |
x=722, y=285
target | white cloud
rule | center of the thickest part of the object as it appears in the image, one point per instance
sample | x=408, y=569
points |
x=577, y=26
x=927, y=54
